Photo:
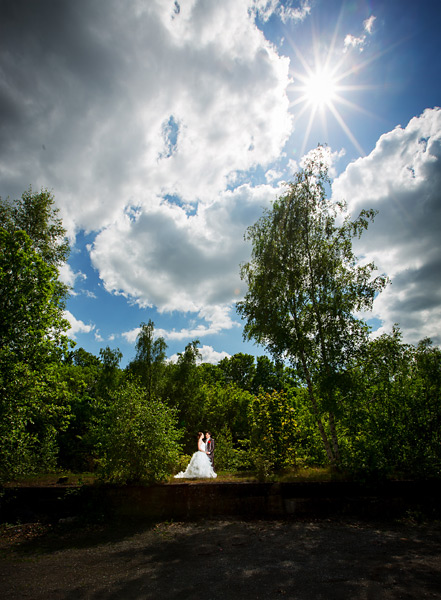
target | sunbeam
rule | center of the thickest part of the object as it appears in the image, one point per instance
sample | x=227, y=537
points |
x=319, y=90
x=321, y=83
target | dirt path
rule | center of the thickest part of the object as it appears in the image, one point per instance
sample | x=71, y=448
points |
x=224, y=560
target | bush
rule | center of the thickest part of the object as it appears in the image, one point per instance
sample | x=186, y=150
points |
x=227, y=457
x=139, y=440
x=274, y=432
x=33, y=411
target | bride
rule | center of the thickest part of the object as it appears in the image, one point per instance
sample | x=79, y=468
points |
x=199, y=465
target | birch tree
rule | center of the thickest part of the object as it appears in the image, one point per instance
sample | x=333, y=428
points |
x=305, y=286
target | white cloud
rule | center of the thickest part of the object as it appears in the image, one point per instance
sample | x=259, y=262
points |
x=139, y=98
x=288, y=13
x=69, y=277
x=401, y=178
x=76, y=325
x=139, y=120
x=352, y=41
x=273, y=175
x=208, y=355
x=325, y=155
x=130, y=336
x=369, y=24
x=212, y=356
x=98, y=336
x=179, y=262
x=265, y=9
x=292, y=166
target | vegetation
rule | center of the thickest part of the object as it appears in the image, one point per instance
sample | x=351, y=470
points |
x=328, y=398
x=304, y=287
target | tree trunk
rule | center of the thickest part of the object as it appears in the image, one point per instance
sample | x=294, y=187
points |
x=335, y=446
x=329, y=450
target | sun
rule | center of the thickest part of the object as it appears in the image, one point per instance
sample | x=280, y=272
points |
x=320, y=89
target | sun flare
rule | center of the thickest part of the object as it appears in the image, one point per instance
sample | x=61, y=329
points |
x=320, y=89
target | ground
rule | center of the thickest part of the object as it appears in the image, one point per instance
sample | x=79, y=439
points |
x=221, y=560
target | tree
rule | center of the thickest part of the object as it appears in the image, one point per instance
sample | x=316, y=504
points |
x=271, y=376
x=36, y=215
x=110, y=373
x=183, y=390
x=392, y=415
x=305, y=286
x=33, y=246
x=149, y=361
x=239, y=369
x=81, y=372
x=31, y=301
x=33, y=400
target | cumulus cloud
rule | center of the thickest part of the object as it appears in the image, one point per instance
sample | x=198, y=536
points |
x=161, y=256
x=208, y=355
x=267, y=8
x=401, y=178
x=112, y=100
x=140, y=117
x=68, y=276
x=76, y=325
x=211, y=356
x=188, y=333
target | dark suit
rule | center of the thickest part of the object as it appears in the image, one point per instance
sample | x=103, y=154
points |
x=209, y=448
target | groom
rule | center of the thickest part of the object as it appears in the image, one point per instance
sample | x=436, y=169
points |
x=209, y=447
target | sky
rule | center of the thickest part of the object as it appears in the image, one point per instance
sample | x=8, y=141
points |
x=164, y=128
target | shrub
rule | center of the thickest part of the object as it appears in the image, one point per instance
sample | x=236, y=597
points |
x=139, y=438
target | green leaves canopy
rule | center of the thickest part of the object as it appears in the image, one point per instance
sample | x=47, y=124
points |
x=31, y=300
x=304, y=283
x=305, y=286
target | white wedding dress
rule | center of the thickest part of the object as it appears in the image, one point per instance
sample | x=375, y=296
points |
x=199, y=466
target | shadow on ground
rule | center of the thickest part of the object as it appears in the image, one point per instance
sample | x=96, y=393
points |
x=222, y=559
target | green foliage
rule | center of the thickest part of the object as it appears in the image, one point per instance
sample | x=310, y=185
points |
x=31, y=302
x=304, y=287
x=372, y=407
x=274, y=431
x=34, y=408
x=231, y=456
x=226, y=406
x=110, y=374
x=77, y=442
x=36, y=215
x=32, y=299
x=184, y=392
x=139, y=439
x=239, y=369
x=392, y=415
x=34, y=403
x=149, y=362
x=310, y=449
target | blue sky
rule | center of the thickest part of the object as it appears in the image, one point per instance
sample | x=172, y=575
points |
x=163, y=128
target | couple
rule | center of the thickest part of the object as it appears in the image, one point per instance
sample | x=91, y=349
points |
x=202, y=461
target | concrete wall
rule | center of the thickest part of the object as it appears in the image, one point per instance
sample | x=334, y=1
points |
x=192, y=500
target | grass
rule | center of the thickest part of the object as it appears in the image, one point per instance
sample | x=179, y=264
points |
x=288, y=475
x=53, y=479
x=63, y=478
